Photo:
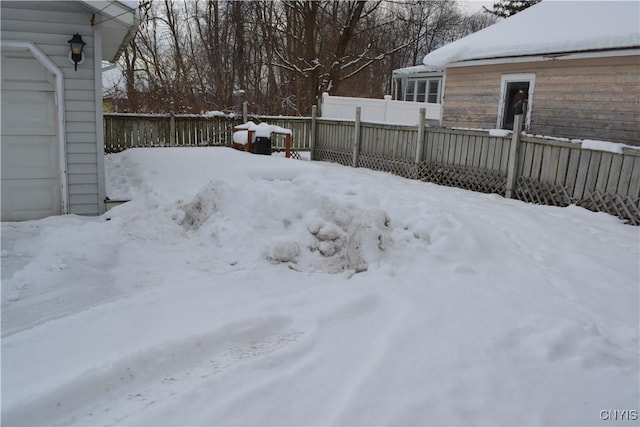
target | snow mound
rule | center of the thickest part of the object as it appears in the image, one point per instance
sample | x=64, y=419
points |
x=284, y=251
x=351, y=239
x=312, y=234
x=336, y=239
x=200, y=209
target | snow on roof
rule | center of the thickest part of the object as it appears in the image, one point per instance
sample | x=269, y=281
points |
x=417, y=69
x=549, y=27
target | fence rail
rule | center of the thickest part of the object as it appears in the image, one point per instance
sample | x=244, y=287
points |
x=541, y=171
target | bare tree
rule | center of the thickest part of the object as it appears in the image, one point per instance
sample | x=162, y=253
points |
x=280, y=55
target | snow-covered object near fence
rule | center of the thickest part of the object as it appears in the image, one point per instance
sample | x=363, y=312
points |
x=259, y=130
x=549, y=27
x=263, y=129
x=241, y=137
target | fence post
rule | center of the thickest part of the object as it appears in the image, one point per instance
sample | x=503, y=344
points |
x=287, y=146
x=420, y=142
x=245, y=112
x=172, y=125
x=314, y=123
x=387, y=99
x=356, y=138
x=513, y=155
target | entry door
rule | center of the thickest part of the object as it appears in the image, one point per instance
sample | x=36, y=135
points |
x=514, y=91
x=31, y=187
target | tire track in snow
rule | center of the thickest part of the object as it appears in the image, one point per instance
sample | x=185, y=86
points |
x=111, y=394
x=355, y=384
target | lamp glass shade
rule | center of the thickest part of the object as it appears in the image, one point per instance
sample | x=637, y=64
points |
x=77, y=44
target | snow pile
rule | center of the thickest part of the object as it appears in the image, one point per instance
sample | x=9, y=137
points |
x=319, y=235
x=344, y=240
x=241, y=137
x=303, y=293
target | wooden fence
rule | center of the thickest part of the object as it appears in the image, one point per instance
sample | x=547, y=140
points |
x=122, y=131
x=529, y=169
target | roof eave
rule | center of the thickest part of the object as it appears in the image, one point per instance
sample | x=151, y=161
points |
x=552, y=56
x=122, y=18
x=131, y=33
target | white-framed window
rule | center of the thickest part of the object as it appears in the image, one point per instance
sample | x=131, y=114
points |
x=421, y=90
x=515, y=89
x=433, y=96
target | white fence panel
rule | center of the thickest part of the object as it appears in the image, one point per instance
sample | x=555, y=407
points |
x=378, y=110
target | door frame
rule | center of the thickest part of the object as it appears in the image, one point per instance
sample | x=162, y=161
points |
x=46, y=62
x=516, y=77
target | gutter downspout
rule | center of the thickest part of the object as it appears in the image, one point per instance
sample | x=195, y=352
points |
x=97, y=75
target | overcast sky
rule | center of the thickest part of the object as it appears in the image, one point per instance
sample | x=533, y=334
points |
x=475, y=5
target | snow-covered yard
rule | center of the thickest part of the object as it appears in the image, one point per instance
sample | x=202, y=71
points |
x=242, y=289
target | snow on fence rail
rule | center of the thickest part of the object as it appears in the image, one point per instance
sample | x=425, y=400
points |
x=533, y=170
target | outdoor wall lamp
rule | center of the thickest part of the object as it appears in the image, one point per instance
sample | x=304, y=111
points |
x=77, y=44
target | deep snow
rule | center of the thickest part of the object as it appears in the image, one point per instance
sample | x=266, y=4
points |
x=243, y=289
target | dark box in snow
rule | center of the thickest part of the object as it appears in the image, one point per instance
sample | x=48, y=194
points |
x=262, y=145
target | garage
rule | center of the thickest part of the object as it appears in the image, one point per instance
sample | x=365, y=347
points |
x=31, y=145
x=52, y=143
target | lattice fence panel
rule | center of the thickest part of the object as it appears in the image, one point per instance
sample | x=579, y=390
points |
x=294, y=154
x=542, y=193
x=394, y=166
x=474, y=179
x=341, y=157
x=623, y=207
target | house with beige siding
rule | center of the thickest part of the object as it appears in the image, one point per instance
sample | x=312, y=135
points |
x=576, y=64
x=51, y=130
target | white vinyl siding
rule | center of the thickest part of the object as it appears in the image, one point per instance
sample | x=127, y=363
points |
x=50, y=31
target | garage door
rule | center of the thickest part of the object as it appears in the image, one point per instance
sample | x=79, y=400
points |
x=30, y=146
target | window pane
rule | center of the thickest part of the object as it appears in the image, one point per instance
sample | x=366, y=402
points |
x=408, y=96
x=433, y=91
x=422, y=89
